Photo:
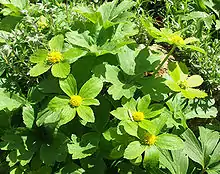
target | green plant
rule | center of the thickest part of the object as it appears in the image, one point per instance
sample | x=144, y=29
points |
x=97, y=111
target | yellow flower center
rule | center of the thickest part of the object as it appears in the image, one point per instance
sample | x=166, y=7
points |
x=138, y=116
x=177, y=40
x=75, y=100
x=54, y=57
x=150, y=139
x=183, y=84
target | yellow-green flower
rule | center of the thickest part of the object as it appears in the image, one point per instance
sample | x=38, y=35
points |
x=73, y=102
x=55, y=58
x=179, y=81
x=168, y=36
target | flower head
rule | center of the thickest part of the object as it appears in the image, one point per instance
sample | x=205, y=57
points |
x=138, y=116
x=180, y=81
x=176, y=40
x=150, y=139
x=75, y=100
x=54, y=57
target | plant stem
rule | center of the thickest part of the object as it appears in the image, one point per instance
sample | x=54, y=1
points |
x=149, y=42
x=164, y=60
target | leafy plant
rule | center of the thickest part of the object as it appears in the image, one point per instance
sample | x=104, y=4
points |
x=104, y=107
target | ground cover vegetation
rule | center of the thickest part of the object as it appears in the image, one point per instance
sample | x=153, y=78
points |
x=109, y=87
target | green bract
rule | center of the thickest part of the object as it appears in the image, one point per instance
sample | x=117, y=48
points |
x=76, y=102
x=57, y=58
x=180, y=82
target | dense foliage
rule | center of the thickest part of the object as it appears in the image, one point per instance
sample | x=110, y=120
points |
x=109, y=87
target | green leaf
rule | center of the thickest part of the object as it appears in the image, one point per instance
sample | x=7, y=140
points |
x=70, y=168
x=89, y=14
x=192, y=147
x=56, y=43
x=117, y=152
x=120, y=113
x=73, y=54
x=151, y=157
x=112, y=14
x=143, y=103
x=203, y=109
x=102, y=114
x=194, y=81
x=173, y=85
x=69, y=85
x=7, y=101
x=39, y=69
x=44, y=169
x=169, y=141
x=126, y=57
x=61, y=69
x=56, y=151
x=86, y=113
x=91, y=88
x=118, y=90
x=84, y=148
x=47, y=116
x=105, y=9
x=209, y=139
x=134, y=149
x=215, y=155
x=94, y=164
x=153, y=31
x=159, y=123
x=82, y=39
x=176, y=161
x=130, y=105
x=149, y=126
x=58, y=102
x=28, y=116
x=214, y=170
x=122, y=7
x=87, y=102
x=67, y=114
x=195, y=48
x=217, y=26
x=130, y=127
x=39, y=56
x=154, y=110
x=50, y=85
x=155, y=87
x=193, y=93
x=178, y=72
x=110, y=74
x=21, y=4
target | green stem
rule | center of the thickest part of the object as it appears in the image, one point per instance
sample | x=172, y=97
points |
x=164, y=60
x=150, y=40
